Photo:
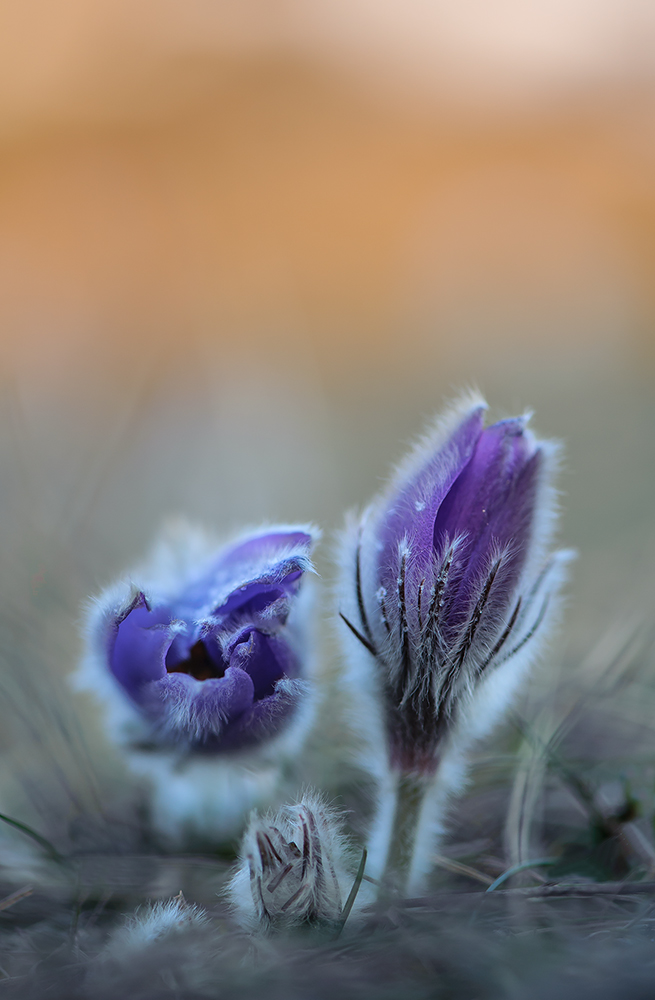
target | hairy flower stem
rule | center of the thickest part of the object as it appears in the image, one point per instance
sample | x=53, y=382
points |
x=395, y=839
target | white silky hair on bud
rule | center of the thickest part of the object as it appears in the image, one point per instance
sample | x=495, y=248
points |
x=295, y=867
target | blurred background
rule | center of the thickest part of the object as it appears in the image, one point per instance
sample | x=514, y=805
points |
x=248, y=246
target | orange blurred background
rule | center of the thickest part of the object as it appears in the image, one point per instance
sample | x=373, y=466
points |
x=246, y=246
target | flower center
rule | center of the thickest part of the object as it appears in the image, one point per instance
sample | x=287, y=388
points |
x=198, y=665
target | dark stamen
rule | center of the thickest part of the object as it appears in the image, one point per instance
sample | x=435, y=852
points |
x=360, y=596
x=404, y=626
x=534, y=589
x=317, y=853
x=420, y=600
x=440, y=585
x=437, y=602
x=358, y=635
x=383, y=612
x=260, y=893
x=504, y=637
x=305, y=849
x=292, y=899
x=279, y=878
x=267, y=852
x=199, y=664
x=458, y=660
x=528, y=635
x=467, y=641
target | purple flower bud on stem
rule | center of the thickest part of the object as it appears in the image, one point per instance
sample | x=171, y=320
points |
x=451, y=588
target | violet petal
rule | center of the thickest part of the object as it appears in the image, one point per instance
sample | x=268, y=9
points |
x=270, y=545
x=264, y=718
x=200, y=710
x=413, y=507
x=271, y=559
x=140, y=643
x=492, y=505
x=265, y=659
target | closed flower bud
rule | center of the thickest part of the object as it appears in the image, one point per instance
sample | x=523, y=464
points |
x=201, y=659
x=295, y=868
x=450, y=587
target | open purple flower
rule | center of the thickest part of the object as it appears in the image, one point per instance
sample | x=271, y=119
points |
x=210, y=652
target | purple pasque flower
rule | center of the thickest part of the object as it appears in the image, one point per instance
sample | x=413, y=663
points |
x=450, y=577
x=209, y=646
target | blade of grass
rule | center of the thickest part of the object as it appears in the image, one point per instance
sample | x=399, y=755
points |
x=350, y=902
x=538, y=862
x=49, y=849
x=460, y=869
x=14, y=897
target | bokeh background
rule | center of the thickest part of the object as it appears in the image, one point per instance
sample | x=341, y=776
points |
x=248, y=246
